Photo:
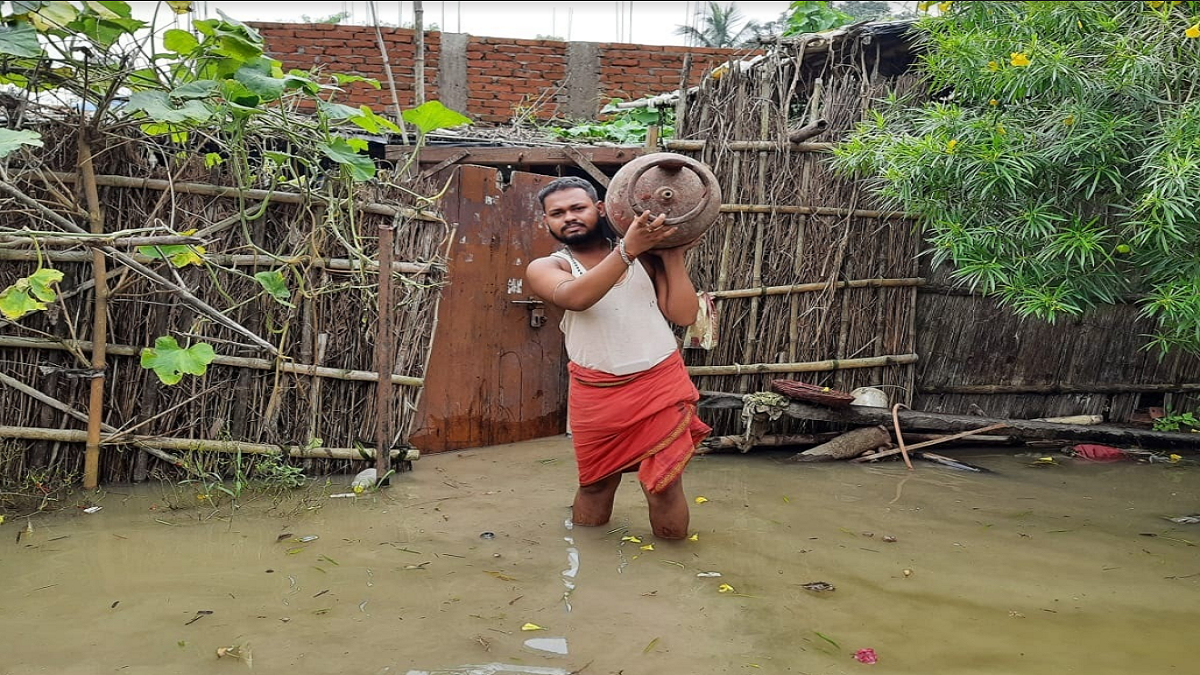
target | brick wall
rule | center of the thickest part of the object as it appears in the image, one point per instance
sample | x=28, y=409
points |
x=490, y=79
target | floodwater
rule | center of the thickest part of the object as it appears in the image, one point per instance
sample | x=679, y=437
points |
x=1029, y=570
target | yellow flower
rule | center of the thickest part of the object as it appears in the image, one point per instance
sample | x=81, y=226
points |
x=701, y=500
x=1193, y=31
x=1070, y=120
x=1156, y=5
x=993, y=66
x=725, y=588
x=944, y=7
x=951, y=145
x=1019, y=59
x=993, y=102
x=1000, y=129
x=1174, y=459
x=924, y=6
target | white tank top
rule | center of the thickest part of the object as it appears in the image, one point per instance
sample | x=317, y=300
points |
x=625, y=332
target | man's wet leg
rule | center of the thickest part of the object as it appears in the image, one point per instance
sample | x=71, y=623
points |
x=594, y=503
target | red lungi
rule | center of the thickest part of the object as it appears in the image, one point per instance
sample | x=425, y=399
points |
x=646, y=419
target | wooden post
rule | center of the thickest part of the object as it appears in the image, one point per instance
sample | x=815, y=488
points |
x=419, y=61
x=91, y=457
x=385, y=356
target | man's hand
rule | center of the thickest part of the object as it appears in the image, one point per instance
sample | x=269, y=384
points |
x=644, y=234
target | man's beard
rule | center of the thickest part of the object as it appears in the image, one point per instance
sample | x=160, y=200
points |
x=600, y=232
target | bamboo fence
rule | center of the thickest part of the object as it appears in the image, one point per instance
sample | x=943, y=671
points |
x=815, y=281
x=300, y=378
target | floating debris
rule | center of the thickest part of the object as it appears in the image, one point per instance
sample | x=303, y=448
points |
x=866, y=656
x=487, y=535
x=1186, y=520
x=701, y=500
x=709, y=575
x=819, y=586
x=531, y=627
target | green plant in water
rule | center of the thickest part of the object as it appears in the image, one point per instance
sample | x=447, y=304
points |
x=1057, y=166
x=1187, y=421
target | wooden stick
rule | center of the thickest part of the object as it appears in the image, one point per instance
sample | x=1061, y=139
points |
x=338, y=264
x=234, y=361
x=750, y=146
x=814, y=211
x=385, y=355
x=203, y=445
x=91, y=456
x=587, y=165
x=926, y=444
x=229, y=192
x=99, y=240
x=1063, y=388
x=805, y=367
x=900, y=434
x=816, y=287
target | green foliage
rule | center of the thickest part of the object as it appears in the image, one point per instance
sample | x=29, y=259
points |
x=170, y=361
x=626, y=127
x=1058, y=165
x=432, y=115
x=1186, y=421
x=12, y=139
x=273, y=283
x=814, y=17
x=179, y=255
x=29, y=294
x=719, y=28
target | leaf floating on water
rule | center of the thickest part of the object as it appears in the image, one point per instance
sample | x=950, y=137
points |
x=283, y=536
x=650, y=647
x=701, y=500
x=531, y=627
x=648, y=547
x=294, y=551
x=694, y=537
x=500, y=575
x=725, y=588
x=675, y=563
x=827, y=640
x=305, y=540
x=631, y=539
x=328, y=560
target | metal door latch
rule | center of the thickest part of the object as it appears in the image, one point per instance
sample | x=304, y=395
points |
x=537, y=312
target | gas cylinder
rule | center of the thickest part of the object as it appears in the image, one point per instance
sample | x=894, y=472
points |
x=665, y=183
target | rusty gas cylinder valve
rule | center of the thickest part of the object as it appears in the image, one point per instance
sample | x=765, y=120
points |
x=665, y=183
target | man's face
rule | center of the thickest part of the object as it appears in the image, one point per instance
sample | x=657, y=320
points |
x=572, y=217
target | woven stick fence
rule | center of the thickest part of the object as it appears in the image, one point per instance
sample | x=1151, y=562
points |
x=297, y=374
x=812, y=280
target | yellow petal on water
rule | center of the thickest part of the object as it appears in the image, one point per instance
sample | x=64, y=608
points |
x=531, y=627
x=1173, y=458
x=725, y=588
x=648, y=547
x=701, y=500
x=633, y=540
x=694, y=537
x=1, y=520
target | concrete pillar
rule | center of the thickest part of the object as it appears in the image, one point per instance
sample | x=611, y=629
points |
x=582, y=90
x=453, y=91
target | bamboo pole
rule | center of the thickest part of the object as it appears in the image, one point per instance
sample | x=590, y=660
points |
x=814, y=211
x=816, y=287
x=204, y=445
x=419, y=60
x=385, y=355
x=233, y=361
x=242, y=260
x=1064, y=388
x=698, y=145
x=207, y=189
x=387, y=69
x=27, y=239
x=764, y=121
x=91, y=457
x=56, y=404
x=805, y=367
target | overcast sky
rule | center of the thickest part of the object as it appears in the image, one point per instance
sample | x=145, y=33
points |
x=651, y=23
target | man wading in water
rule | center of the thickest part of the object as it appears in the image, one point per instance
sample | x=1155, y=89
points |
x=631, y=403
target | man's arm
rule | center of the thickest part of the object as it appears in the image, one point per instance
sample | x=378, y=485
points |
x=676, y=294
x=553, y=284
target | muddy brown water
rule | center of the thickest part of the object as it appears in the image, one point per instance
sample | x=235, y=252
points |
x=1027, y=570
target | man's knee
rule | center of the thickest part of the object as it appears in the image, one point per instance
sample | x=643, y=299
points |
x=602, y=486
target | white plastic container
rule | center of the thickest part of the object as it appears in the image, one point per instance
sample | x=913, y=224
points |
x=869, y=397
